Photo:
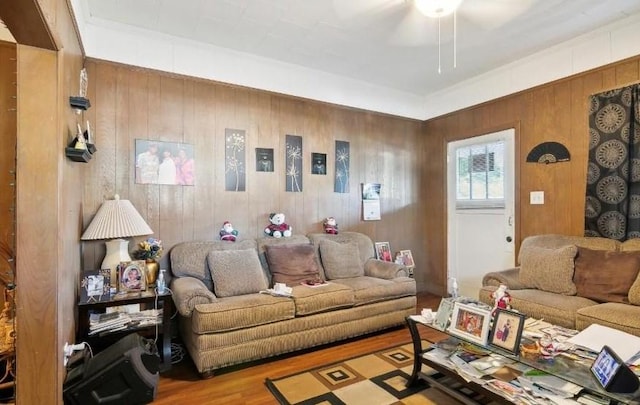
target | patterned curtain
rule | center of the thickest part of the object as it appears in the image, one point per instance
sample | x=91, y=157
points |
x=613, y=175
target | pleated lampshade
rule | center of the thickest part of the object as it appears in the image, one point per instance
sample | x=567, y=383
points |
x=116, y=219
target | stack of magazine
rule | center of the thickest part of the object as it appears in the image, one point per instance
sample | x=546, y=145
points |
x=116, y=321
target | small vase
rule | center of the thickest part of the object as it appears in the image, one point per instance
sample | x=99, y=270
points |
x=152, y=272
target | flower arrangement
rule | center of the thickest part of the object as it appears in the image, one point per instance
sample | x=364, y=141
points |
x=149, y=249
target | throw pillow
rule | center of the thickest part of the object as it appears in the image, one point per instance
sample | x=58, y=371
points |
x=292, y=264
x=549, y=269
x=340, y=260
x=605, y=276
x=236, y=272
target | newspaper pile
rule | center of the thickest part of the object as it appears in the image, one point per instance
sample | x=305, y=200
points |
x=116, y=321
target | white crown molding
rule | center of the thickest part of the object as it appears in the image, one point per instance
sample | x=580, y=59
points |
x=129, y=45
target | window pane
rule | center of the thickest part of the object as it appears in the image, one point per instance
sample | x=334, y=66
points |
x=463, y=180
x=480, y=173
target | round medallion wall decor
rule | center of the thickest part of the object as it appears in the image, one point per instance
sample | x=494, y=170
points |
x=611, y=154
x=612, y=224
x=610, y=118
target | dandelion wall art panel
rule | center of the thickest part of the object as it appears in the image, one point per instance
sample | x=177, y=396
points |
x=235, y=161
x=341, y=184
x=293, y=163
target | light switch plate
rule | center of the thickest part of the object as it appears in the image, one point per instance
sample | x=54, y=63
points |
x=536, y=197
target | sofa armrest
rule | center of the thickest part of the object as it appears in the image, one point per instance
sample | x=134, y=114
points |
x=509, y=277
x=386, y=270
x=189, y=292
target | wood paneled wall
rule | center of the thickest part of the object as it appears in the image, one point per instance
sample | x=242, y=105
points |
x=8, y=129
x=130, y=103
x=49, y=200
x=556, y=111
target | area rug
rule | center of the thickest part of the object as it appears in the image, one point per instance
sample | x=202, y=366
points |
x=378, y=378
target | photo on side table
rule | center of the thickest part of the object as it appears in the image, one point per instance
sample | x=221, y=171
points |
x=507, y=330
x=95, y=285
x=470, y=323
x=383, y=251
x=132, y=276
x=407, y=259
x=444, y=314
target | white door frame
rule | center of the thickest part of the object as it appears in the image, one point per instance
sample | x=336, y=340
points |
x=508, y=135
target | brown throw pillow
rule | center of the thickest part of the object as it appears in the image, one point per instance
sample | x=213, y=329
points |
x=292, y=264
x=340, y=260
x=549, y=269
x=236, y=272
x=605, y=276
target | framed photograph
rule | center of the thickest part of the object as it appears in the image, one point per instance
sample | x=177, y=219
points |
x=383, y=251
x=470, y=323
x=507, y=330
x=318, y=163
x=407, y=259
x=132, y=276
x=95, y=285
x=444, y=314
x=170, y=163
x=264, y=160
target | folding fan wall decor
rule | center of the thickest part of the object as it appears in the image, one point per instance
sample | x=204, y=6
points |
x=549, y=152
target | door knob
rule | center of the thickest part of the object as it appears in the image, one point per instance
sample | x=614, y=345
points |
x=509, y=239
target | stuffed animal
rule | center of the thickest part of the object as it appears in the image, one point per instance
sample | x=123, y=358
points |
x=501, y=298
x=330, y=226
x=278, y=228
x=227, y=232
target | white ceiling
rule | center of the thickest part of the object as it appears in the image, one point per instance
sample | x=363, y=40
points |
x=384, y=42
x=374, y=54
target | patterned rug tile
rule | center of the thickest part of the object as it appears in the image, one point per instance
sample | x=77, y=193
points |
x=365, y=393
x=378, y=378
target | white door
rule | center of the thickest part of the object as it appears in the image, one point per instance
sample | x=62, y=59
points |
x=480, y=183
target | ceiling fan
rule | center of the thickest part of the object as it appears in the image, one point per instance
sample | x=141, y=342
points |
x=413, y=19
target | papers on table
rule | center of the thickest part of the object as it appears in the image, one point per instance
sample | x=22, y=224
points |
x=625, y=345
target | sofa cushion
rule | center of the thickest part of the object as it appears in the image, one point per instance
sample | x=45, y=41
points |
x=555, y=308
x=615, y=315
x=605, y=276
x=340, y=260
x=549, y=269
x=327, y=297
x=292, y=264
x=371, y=289
x=239, y=312
x=189, y=259
x=236, y=272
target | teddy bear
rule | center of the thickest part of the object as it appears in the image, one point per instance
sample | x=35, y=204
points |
x=278, y=228
x=227, y=232
x=330, y=226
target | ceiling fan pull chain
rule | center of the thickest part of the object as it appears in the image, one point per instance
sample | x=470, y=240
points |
x=439, y=43
x=455, y=39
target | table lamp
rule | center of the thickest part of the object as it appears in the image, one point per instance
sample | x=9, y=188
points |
x=116, y=219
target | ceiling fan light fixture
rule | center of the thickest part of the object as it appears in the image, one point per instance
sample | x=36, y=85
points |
x=437, y=8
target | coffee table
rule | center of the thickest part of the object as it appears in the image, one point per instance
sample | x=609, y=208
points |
x=564, y=367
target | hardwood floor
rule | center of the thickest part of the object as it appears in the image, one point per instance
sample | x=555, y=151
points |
x=245, y=384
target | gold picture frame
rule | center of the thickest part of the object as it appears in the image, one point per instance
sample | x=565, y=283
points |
x=132, y=276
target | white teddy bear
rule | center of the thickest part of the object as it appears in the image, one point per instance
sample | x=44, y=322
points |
x=278, y=228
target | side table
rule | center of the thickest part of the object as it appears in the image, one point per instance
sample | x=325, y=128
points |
x=144, y=298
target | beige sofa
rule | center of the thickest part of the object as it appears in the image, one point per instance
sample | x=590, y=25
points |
x=574, y=281
x=224, y=320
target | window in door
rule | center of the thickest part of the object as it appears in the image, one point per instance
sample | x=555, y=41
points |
x=480, y=175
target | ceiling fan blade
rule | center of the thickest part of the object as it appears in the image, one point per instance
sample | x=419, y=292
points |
x=414, y=29
x=492, y=14
x=353, y=9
